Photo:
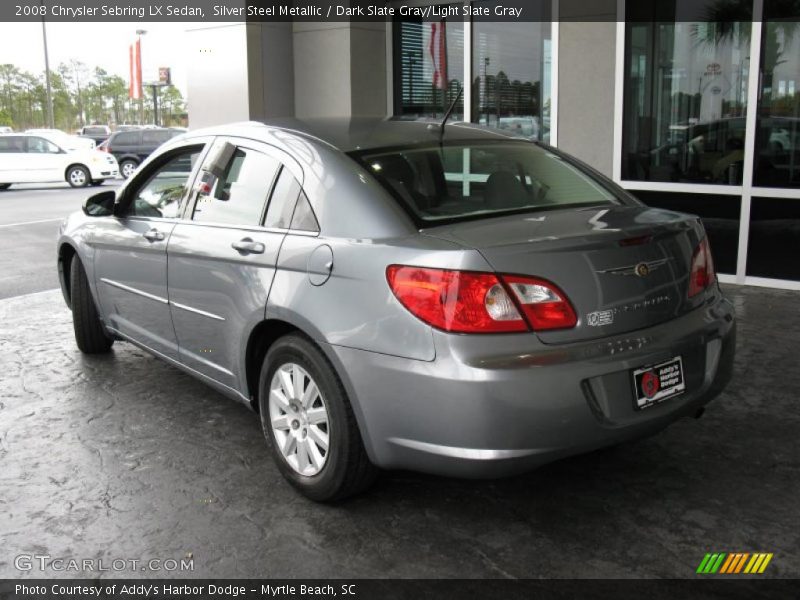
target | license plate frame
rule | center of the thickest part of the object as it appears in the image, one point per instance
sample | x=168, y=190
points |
x=655, y=383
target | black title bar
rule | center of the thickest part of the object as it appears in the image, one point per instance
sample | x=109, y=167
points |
x=216, y=11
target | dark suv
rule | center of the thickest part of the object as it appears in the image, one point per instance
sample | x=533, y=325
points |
x=130, y=148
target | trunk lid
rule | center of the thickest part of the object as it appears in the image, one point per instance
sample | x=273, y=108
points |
x=595, y=256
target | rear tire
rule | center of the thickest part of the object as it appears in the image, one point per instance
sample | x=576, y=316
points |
x=127, y=167
x=90, y=334
x=346, y=469
x=4, y=186
x=78, y=176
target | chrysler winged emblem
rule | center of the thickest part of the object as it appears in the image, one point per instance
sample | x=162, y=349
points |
x=642, y=269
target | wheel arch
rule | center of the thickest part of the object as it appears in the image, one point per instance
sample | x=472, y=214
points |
x=261, y=338
x=65, y=253
x=76, y=164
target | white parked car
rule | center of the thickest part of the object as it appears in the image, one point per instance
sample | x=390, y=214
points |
x=6, y=129
x=28, y=158
x=65, y=140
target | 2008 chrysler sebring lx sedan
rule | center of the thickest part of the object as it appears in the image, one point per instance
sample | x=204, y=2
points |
x=398, y=294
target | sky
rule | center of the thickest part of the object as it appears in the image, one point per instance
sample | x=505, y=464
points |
x=98, y=45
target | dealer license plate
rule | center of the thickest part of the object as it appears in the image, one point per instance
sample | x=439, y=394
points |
x=656, y=383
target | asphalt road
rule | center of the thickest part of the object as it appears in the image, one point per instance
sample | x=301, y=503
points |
x=29, y=218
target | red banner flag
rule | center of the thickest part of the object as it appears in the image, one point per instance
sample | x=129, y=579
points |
x=135, y=65
x=438, y=50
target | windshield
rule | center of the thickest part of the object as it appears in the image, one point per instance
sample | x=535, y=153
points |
x=452, y=182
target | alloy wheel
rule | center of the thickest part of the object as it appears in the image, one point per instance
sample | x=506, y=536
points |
x=77, y=177
x=299, y=419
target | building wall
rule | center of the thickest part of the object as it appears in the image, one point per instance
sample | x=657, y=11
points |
x=586, y=76
x=270, y=60
x=218, y=78
x=340, y=69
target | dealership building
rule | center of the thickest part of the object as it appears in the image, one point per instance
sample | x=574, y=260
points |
x=692, y=105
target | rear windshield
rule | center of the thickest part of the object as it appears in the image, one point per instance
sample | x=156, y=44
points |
x=95, y=130
x=452, y=182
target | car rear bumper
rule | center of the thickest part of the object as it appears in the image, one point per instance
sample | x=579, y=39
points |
x=476, y=411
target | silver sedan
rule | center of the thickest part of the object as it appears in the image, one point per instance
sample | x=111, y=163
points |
x=395, y=294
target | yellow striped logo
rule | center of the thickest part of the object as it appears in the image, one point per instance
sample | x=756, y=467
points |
x=734, y=563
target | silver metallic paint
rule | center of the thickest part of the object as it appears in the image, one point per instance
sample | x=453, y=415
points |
x=472, y=405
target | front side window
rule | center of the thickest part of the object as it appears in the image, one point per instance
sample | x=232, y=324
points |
x=155, y=136
x=128, y=138
x=238, y=197
x=685, y=92
x=37, y=145
x=161, y=194
x=455, y=181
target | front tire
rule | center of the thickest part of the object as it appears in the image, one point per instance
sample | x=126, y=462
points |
x=78, y=176
x=309, y=423
x=90, y=335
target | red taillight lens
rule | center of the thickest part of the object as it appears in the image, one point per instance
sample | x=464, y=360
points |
x=544, y=305
x=702, y=273
x=457, y=301
x=468, y=302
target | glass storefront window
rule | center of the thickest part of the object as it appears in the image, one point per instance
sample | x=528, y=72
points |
x=428, y=67
x=777, y=154
x=511, y=75
x=511, y=70
x=774, y=231
x=685, y=93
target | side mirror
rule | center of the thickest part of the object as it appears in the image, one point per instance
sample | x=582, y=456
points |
x=218, y=162
x=100, y=205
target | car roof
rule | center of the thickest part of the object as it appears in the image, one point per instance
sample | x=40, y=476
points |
x=350, y=134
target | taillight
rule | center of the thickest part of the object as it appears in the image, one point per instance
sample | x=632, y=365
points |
x=457, y=301
x=702, y=272
x=469, y=302
x=544, y=305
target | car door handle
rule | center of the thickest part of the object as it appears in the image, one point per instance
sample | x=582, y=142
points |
x=248, y=246
x=154, y=235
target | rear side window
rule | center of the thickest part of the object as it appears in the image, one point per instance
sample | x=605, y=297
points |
x=10, y=144
x=304, y=218
x=155, y=137
x=281, y=205
x=453, y=182
x=128, y=138
x=239, y=195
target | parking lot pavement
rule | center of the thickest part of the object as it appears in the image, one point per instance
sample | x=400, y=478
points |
x=29, y=218
x=125, y=457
